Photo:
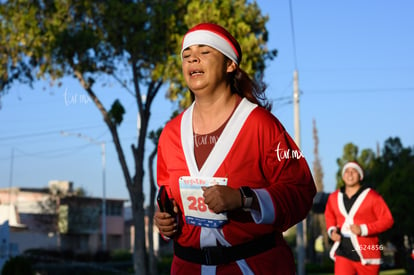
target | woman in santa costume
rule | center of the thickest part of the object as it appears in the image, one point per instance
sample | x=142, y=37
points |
x=236, y=177
x=355, y=215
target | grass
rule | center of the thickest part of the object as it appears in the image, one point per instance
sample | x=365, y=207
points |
x=393, y=272
x=385, y=272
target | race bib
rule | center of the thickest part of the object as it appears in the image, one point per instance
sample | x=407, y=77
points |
x=195, y=210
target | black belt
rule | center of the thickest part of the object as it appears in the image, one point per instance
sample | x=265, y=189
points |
x=216, y=255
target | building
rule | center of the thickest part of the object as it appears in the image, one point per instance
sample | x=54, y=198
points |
x=160, y=245
x=58, y=218
x=80, y=224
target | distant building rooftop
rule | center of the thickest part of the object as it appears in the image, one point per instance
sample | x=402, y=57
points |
x=9, y=213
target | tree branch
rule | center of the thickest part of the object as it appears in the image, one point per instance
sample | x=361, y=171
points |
x=112, y=127
x=123, y=85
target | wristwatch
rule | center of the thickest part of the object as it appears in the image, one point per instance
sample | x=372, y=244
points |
x=247, y=197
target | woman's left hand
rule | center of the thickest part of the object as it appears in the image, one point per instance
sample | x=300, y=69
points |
x=221, y=198
x=356, y=229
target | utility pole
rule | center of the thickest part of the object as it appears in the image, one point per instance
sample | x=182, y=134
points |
x=296, y=107
x=11, y=178
x=103, y=156
x=301, y=226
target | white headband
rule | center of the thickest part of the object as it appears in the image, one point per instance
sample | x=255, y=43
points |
x=204, y=37
x=356, y=167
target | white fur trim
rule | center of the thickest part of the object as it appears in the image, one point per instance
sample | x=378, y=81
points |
x=223, y=145
x=266, y=215
x=356, y=167
x=333, y=249
x=330, y=230
x=364, y=230
x=371, y=261
x=210, y=236
x=204, y=37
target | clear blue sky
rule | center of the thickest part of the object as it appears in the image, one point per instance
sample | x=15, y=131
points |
x=356, y=66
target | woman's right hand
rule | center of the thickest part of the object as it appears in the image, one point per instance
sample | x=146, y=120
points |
x=335, y=236
x=166, y=224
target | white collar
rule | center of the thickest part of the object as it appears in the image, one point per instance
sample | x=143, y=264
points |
x=223, y=145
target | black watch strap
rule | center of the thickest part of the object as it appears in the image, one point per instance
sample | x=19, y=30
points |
x=247, y=197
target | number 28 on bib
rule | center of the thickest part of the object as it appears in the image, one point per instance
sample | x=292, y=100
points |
x=195, y=210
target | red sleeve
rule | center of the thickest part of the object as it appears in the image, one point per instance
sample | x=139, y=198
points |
x=162, y=172
x=330, y=216
x=384, y=219
x=291, y=183
x=169, y=146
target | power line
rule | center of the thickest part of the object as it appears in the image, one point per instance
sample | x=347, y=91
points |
x=343, y=91
x=57, y=153
x=346, y=69
x=355, y=69
x=31, y=135
x=62, y=152
x=360, y=90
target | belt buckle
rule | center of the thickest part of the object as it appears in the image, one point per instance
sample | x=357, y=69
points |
x=213, y=255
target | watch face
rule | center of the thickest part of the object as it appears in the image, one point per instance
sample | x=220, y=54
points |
x=248, y=203
x=247, y=197
x=247, y=191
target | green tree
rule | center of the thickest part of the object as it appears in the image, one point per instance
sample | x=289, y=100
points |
x=17, y=265
x=394, y=175
x=317, y=225
x=317, y=166
x=89, y=39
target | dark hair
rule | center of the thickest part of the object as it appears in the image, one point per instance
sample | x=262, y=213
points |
x=252, y=90
x=244, y=86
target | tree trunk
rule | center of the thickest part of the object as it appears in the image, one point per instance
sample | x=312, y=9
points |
x=137, y=199
x=139, y=238
x=152, y=259
x=135, y=184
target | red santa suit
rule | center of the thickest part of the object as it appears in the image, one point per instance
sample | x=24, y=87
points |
x=370, y=212
x=253, y=150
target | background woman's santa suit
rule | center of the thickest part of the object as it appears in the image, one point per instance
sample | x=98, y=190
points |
x=253, y=150
x=370, y=212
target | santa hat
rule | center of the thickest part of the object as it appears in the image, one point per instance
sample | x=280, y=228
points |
x=214, y=36
x=356, y=166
